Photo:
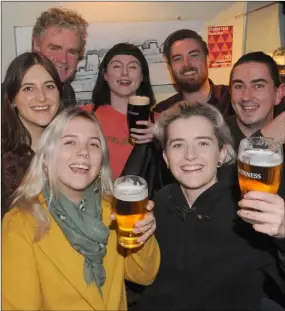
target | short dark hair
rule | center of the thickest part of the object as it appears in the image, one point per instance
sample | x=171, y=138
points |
x=183, y=34
x=260, y=57
x=101, y=91
x=14, y=134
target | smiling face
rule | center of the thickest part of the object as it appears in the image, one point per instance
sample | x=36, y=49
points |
x=188, y=65
x=79, y=158
x=192, y=154
x=253, y=96
x=37, y=101
x=61, y=46
x=123, y=75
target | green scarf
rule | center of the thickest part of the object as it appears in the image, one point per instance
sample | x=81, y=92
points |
x=82, y=226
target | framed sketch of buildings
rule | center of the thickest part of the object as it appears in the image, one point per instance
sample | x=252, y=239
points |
x=147, y=36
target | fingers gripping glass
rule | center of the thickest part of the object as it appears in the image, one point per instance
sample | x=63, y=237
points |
x=138, y=110
x=131, y=195
x=260, y=163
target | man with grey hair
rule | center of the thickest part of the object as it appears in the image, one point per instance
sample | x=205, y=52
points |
x=60, y=35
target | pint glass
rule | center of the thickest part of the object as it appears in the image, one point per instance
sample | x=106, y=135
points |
x=131, y=195
x=260, y=162
x=138, y=110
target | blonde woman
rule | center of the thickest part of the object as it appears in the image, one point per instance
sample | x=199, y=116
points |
x=59, y=251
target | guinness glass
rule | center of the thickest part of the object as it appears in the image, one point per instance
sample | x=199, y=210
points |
x=260, y=163
x=131, y=196
x=138, y=110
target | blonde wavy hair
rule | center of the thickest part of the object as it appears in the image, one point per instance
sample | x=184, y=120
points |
x=26, y=196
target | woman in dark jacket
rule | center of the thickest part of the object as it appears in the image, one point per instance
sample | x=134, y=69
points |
x=31, y=95
x=211, y=259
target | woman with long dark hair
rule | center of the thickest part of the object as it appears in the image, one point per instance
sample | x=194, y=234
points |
x=31, y=95
x=123, y=72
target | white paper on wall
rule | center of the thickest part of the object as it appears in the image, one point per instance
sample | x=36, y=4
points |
x=148, y=36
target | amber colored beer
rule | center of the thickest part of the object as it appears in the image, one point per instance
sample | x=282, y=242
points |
x=131, y=196
x=259, y=170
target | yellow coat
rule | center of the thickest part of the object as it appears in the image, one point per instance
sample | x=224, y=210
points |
x=48, y=275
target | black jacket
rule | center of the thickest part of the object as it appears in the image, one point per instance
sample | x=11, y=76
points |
x=210, y=258
x=68, y=95
x=146, y=161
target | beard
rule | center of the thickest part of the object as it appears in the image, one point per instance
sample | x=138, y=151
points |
x=187, y=84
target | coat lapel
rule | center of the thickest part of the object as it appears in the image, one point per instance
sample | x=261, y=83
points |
x=69, y=263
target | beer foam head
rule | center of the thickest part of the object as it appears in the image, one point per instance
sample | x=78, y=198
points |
x=139, y=100
x=263, y=158
x=130, y=188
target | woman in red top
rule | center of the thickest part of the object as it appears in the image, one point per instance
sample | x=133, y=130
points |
x=123, y=72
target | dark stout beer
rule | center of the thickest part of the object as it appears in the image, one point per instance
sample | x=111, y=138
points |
x=138, y=110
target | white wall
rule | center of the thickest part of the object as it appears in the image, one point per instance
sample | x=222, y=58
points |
x=263, y=27
x=282, y=23
x=233, y=15
x=212, y=13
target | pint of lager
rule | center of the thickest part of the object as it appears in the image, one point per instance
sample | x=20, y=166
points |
x=131, y=195
x=138, y=110
x=259, y=164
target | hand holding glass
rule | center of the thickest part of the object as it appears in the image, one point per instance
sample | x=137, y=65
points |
x=131, y=194
x=259, y=164
x=138, y=110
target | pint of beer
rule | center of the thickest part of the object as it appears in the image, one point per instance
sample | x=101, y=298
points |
x=138, y=110
x=260, y=163
x=131, y=194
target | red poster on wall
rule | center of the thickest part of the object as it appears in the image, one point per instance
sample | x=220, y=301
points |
x=220, y=44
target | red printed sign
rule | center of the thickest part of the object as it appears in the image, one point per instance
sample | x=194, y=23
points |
x=220, y=44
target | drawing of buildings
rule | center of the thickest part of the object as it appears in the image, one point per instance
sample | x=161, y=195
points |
x=147, y=36
x=88, y=67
